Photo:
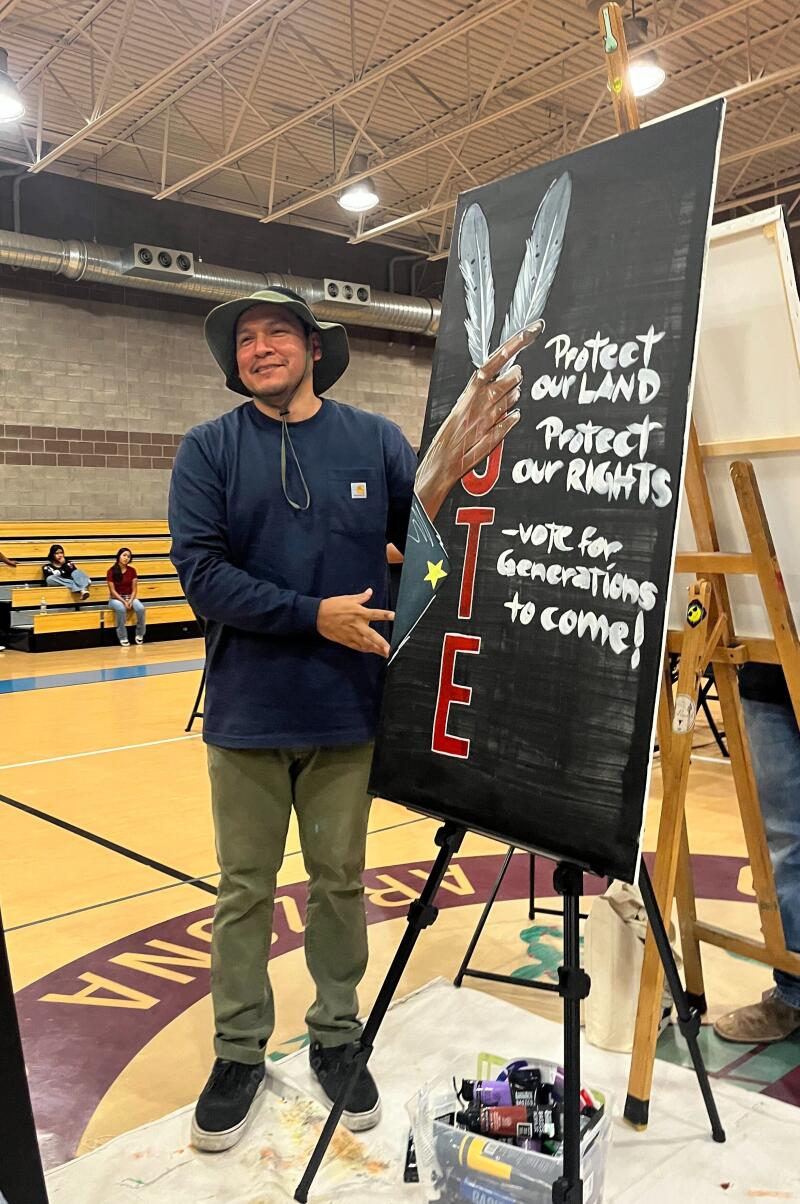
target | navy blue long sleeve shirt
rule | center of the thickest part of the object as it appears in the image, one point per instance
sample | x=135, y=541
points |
x=255, y=569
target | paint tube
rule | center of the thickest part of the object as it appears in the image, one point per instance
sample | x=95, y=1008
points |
x=534, y=1144
x=505, y=1164
x=486, y=1092
x=519, y=1087
x=515, y=1121
x=526, y=1083
x=467, y=1188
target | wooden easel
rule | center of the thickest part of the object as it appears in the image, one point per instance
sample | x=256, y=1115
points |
x=708, y=638
x=672, y=876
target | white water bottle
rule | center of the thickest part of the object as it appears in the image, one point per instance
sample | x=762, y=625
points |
x=42, y=606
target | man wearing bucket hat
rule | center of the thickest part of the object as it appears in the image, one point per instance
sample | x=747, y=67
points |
x=280, y=512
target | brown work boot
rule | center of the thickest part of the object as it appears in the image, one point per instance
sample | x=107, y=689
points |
x=760, y=1023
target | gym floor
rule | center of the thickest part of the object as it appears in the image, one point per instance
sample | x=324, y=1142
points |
x=107, y=878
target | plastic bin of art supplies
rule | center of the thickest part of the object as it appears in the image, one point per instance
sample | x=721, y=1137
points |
x=491, y=1133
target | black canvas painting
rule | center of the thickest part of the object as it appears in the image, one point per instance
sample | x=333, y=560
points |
x=523, y=678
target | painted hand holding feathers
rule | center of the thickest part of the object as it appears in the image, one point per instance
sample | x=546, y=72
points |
x=486, y=409
x=484, y=413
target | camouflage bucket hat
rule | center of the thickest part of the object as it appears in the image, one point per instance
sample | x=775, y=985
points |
x=220, y=332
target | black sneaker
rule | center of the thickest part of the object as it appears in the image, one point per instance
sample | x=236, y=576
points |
x=225, y=1105
x=330, y=1067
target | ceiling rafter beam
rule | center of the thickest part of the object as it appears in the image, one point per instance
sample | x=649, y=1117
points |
x=433, y=206
x=63, y=43
x=200, y=77
x=66, y=92
x=373, y=46
x=128, y=144
x=765, y=195
x=185, y=60
x=454, y=155
x=763, y=148
x=494, y=89
x=225, y=82
x=732, y=93
x=742, y=172
x=253, y=83
x=130, y=141
x=511, y=110
x=561, y=57
x=444, y=207
x=108, y=74
x=23, y=24
x=738, y=92
x=316, y=53
x=772, y=51
x=489, y=92
x=40, y=115
x=481, y=12
x=360, y=129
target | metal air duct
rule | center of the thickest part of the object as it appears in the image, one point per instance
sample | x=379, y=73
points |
x=97, y=264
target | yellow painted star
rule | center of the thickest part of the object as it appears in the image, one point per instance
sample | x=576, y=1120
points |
x=435, y=573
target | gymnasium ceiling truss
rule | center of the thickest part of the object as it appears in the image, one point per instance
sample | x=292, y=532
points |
x=258, y=107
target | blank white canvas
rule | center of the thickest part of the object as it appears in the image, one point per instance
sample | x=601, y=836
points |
x=748, y=387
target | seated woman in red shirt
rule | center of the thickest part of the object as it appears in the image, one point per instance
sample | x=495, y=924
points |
x=123, y=582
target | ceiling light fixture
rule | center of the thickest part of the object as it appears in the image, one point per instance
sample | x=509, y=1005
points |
x=645, y=71
x=360, y=196
x=12, y=106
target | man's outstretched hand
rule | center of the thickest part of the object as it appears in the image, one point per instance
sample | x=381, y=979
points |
x=480, y=419
x=346, y=620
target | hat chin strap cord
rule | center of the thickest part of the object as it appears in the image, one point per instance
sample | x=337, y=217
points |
x=287, y=438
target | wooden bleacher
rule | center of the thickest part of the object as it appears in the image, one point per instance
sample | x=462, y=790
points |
x=92, y=545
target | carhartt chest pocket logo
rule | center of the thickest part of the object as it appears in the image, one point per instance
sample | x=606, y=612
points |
x=358, y=501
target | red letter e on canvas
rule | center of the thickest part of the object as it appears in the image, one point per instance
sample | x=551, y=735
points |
x=450, y=691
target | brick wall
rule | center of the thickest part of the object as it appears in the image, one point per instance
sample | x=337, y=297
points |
x=74, y=447
x=96, y=391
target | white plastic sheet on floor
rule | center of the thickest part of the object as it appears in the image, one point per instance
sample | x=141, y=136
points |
x=674, y=1159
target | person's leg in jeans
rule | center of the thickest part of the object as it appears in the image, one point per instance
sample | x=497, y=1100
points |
x=332, y=806
x=81, y=579
x=119, y=618
x=774, y=741
x=141, y=620
x=65, y=582
x=251, y=795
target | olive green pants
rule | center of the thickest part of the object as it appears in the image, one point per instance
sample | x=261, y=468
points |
x=253, y=792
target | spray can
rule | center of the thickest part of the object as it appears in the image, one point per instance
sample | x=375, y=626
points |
x=467, y=1188
x=487, y=1093
x=505, y=1165
x=512, y=1121
x=534, y=1144
x=526, y=1082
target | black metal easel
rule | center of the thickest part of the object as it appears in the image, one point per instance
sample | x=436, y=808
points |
x=573, y=986
x=464, y=970
x=196, y=712
x=421, y=914
x=688, y=1008
x=21, y=1176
